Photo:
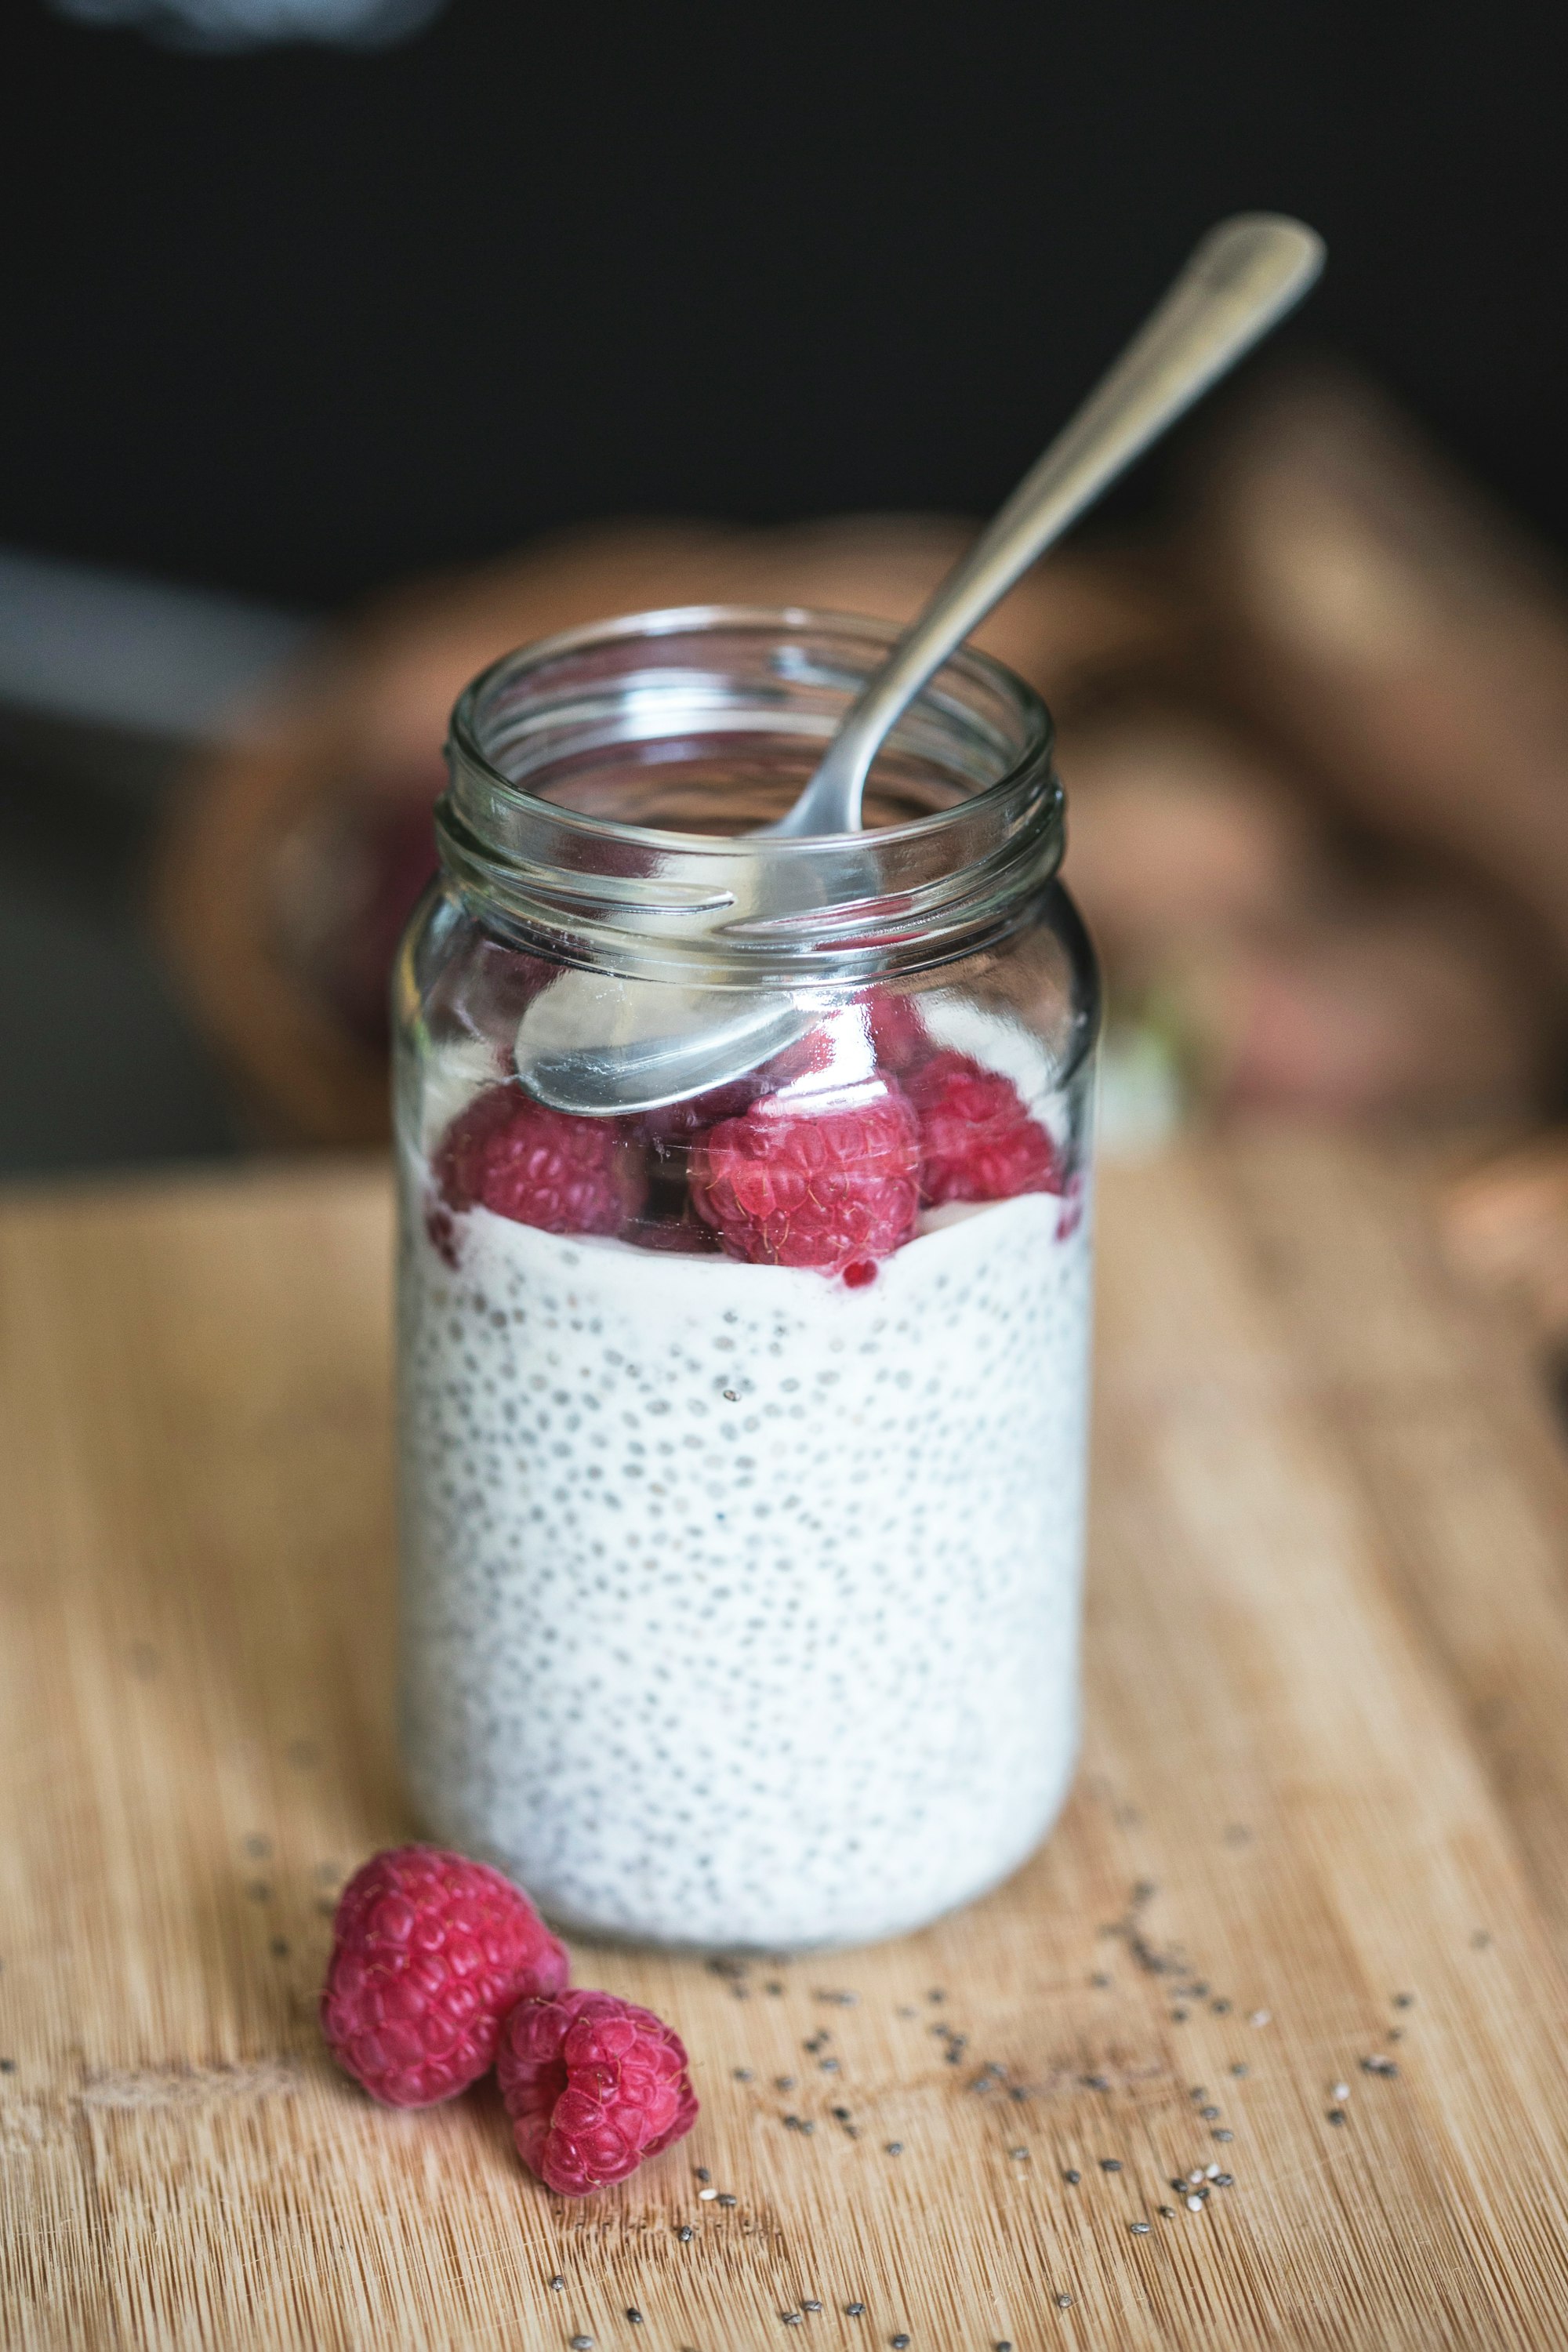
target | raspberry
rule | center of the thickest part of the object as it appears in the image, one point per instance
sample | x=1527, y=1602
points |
x=828, y=1189
x=977, y=1140
x=898, y=1032
x=540, y=1167
x=593, y=2086
x=675, y=1123
x=429, y=1952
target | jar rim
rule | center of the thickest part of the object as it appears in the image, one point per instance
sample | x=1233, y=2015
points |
x=681, y=620
x=603, y=887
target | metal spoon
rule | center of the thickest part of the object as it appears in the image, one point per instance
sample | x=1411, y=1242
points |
x=597, y=1045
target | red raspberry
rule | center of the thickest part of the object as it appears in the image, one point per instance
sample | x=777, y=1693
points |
x=540, y=1167
x=593, y=2086
x=898, y=1032
x=828, y=1189
x=674, y=1124
x=977, y=1140
x=429, y=1952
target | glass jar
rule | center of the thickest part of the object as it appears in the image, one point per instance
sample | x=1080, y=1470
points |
x=743, y=1440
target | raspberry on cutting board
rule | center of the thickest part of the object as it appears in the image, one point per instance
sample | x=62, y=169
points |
x=832, y=1189
x=429, y=1952
x=593, y=2086
x=977, y=1140
x=540, y=1167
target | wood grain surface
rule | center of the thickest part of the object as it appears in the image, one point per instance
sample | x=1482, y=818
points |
x=1321, y=1819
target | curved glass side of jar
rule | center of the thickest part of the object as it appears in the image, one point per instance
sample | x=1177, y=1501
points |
x=743, y=1440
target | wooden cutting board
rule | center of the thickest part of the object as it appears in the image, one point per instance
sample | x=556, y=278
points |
x=1321, y=1821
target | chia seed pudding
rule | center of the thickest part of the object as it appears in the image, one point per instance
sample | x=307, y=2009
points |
x=741, y=1605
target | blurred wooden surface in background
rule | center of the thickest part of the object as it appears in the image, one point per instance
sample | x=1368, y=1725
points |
x=1325, y=1779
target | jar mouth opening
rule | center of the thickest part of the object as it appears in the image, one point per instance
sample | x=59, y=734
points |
x=474, y=716
x=729, y=707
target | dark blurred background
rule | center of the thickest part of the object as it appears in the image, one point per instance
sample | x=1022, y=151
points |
x=293, y=322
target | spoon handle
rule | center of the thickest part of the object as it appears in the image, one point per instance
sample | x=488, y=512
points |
x=1242, y=277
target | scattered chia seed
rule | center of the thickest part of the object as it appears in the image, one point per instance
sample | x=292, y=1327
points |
x=1340, y=2091
x=582, y=2344
x=1097, y=2082
x=1111, y=2164
x=830, y=2065
x=1019, y=2155
x=854, y=2311
x=744, y=2075
x=728, y=2200
x=1072, y=2179
x=1259, y=2017
x=900, y=2342
x=279, y=1948
x=558, y=2284
x=1479, y=1940
x=1194, y=2204
x=1221, y=2135
x=1167, y=2213
x=1336, y=2115
x=841, y=2114
x=1379, y=2066
x=685, y=2233
x=1178, y=2017
x=701, y=2173
x=1064, y=2303
x=895, y=2148
x=809, y=2303
x=1211, y=2172
x=1198, y=1991
x=1100, y=1981
x=1209, y=2114
x=784, y=2082
x=1146, y=1891
x=907, y=2012
x=1224, y=2179
x=1238, y=2070
x=1396, y=2033
x=1220, y=2008
x=1017, y=2093
x=634, y=2315
x=1198, y=2090
x=258, y=1847
x=936, y=1993
x=1139, y=2229
x=790, y=2318
x=1404, y=2000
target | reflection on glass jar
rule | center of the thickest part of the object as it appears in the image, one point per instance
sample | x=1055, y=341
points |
x=742, y=1438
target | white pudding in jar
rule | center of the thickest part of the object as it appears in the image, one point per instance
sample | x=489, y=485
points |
x=741, y=1606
